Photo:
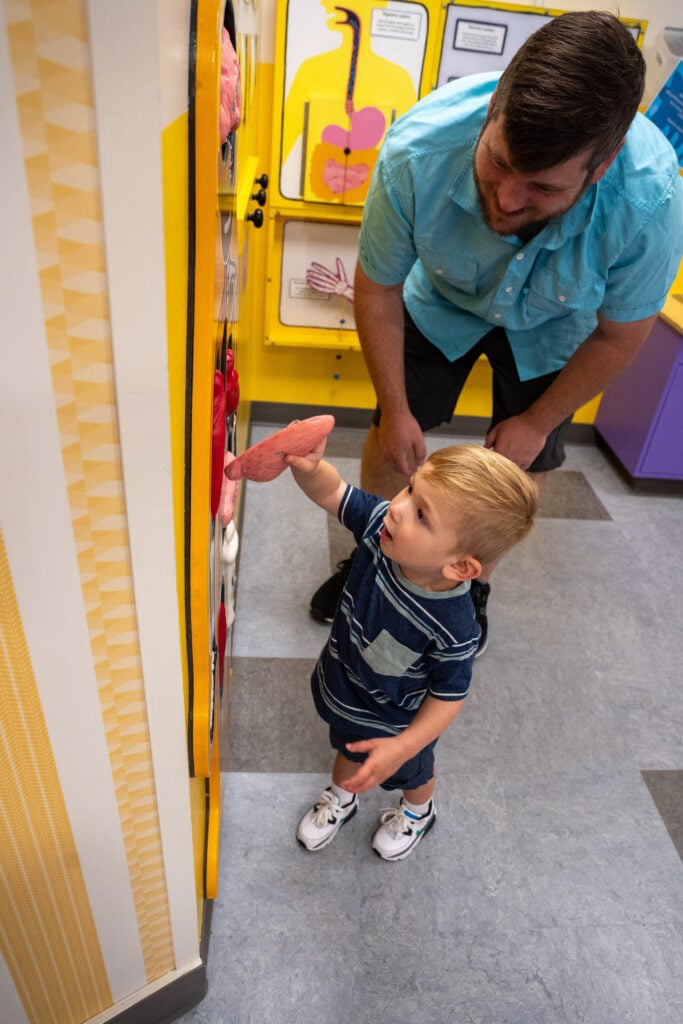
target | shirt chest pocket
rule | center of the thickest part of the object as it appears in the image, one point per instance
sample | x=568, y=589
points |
x=458, y=272
x=386, y=656
x=547, y=296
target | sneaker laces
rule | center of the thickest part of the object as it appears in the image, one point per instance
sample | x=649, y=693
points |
x=343, y=568
x=395, y=821
x=327, y=807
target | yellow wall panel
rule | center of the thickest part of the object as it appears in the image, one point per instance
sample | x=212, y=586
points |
x=47, y=932
x=53, y=80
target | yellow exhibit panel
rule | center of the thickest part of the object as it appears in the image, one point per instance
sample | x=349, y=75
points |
x=211, y=380
x=337, y=88
x=341, y=83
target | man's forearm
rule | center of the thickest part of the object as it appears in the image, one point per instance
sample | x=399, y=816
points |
x=601, y=358
x=380, y=324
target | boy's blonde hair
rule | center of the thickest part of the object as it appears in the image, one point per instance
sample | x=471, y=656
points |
x=494, y=500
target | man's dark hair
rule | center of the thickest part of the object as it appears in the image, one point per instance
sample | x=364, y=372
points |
x=573, y=86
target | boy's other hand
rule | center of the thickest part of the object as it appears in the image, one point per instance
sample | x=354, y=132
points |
x=385, y=756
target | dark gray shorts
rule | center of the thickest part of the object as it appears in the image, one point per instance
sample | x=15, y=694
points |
x=415, y=772
x=434, y=383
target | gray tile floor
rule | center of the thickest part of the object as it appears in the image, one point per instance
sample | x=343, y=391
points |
x=551, y=889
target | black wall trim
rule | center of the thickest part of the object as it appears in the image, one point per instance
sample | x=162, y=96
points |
x=179, y=995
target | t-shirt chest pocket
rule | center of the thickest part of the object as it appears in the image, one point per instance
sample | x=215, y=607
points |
x=387, y=656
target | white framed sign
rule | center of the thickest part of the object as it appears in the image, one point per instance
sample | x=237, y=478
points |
x=479, y=36
x=485, y=37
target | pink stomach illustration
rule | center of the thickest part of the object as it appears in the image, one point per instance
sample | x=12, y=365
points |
x=367, y=128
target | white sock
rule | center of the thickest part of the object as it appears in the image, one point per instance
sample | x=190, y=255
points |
x=343, y=795
x=417, y=809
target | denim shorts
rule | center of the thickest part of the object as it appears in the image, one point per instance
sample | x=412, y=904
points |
x=434, y=383
x=414, y=773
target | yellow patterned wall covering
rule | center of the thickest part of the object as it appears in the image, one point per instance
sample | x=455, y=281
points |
x=53, y=78
x=47, y=933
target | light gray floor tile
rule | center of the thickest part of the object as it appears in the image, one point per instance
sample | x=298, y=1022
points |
x=511, y=975
x=489, y=922
x=550, y=890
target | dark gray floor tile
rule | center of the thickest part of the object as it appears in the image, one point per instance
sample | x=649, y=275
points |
x=346, y=442
x=269, y=718
x=567, y=494
x=666, y=789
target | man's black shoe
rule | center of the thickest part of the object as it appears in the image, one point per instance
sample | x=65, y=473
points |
x=479, y=592
x=324, y=601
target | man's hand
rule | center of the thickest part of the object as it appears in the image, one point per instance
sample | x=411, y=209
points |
x=605, y=353
x=385, y=756
x=402, y=442
x=517, y=439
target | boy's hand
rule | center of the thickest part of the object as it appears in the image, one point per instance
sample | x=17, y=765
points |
x=385, y=756
x=316, y=477
x=307, y=463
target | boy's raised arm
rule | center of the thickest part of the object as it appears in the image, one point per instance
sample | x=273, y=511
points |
x=318, y=479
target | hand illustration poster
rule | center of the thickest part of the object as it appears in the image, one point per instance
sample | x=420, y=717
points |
x=318, y=265
x=349, y=72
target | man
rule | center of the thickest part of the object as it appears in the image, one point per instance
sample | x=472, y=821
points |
x=533, y=217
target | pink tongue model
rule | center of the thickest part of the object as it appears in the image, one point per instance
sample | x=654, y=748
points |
x=266, y=460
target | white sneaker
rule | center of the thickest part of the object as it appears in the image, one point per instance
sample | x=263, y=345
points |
x=319, y=826
x=400, y=831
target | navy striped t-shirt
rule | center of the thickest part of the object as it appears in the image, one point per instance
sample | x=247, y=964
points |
x=392, y=643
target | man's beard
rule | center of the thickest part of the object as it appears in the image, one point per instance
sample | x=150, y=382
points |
x=528, y=227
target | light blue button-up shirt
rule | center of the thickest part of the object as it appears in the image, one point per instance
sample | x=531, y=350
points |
x=617, y=250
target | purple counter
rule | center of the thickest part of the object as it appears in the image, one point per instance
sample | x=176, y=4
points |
x=641, y=413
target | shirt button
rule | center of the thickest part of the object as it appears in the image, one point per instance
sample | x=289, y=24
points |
x=439, y=271
x=498, y=315
x=519, y=256
x=508, y=289
x=562, y=298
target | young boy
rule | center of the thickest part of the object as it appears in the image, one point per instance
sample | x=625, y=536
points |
x=398, y=661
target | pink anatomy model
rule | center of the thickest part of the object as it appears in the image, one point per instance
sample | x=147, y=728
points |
x=266, y=460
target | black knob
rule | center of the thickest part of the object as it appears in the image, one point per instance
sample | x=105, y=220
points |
x=260, y=197
x=262, y=181
x=256, y=217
